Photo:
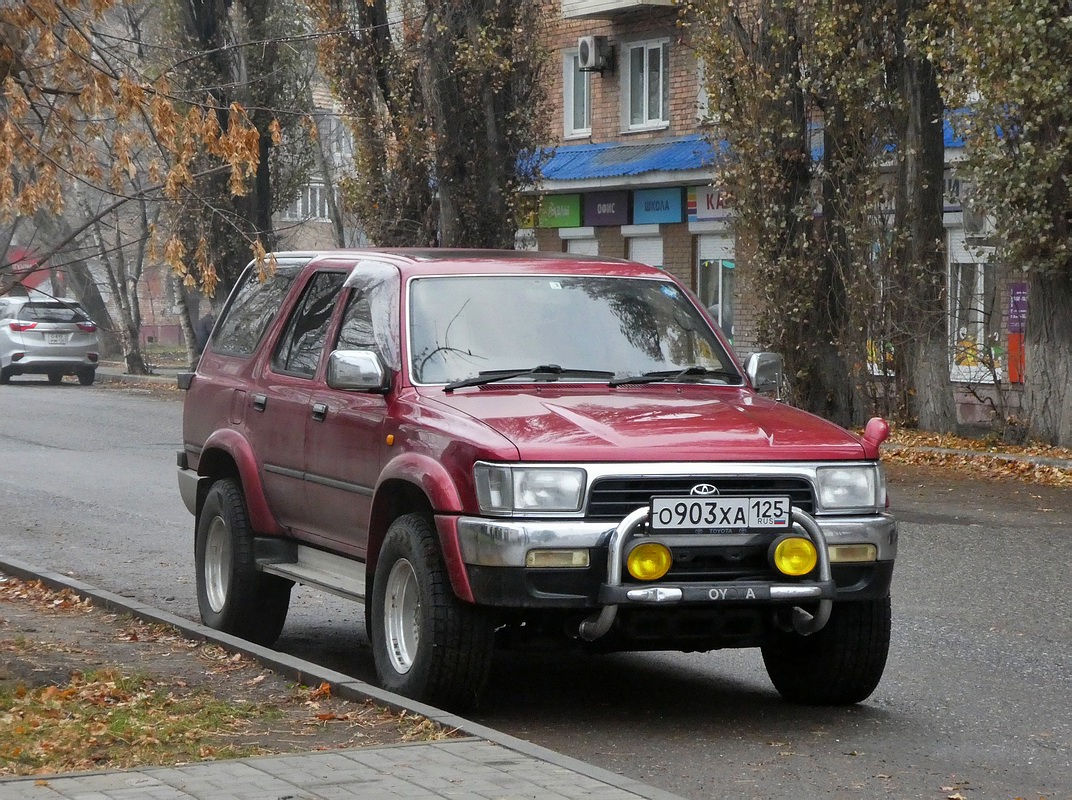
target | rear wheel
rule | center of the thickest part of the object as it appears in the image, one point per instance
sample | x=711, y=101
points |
x=55, y=377
x=841, y=664
x=5, y=375
x=233, y=596
x=87, y=376
x=426, y=643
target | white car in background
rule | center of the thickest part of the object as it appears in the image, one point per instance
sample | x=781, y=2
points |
x=52, y=337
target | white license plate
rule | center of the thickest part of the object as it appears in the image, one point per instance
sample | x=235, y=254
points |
x=738, y=513
x=56, y=338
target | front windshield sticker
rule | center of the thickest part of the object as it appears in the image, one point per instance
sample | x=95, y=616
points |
x=670, y=292
x=555, y=285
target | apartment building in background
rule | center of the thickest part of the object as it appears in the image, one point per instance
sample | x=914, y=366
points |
x=633, y=176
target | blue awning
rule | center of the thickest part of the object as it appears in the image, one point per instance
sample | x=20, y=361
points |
x=579, y=162
x=617, y=159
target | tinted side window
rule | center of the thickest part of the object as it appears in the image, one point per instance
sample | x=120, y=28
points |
x=357, y=332
x=251, y=308
x=298, y=352
x=371, y=318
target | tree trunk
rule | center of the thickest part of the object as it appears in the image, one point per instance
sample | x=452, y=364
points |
x=921, y=352
x=1048, y=360
x=188, y=333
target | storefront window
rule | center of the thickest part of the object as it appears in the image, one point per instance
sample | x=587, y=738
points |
x=714, y=285
x=974, y=322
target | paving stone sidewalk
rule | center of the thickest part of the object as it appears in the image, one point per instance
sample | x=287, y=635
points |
x=466, y=768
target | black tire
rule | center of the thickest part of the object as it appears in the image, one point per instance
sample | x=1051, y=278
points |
x=55, y=377
x=232, y=595
x=5, y=376
x=426, y=644
x=841, y=664
x=87, y=376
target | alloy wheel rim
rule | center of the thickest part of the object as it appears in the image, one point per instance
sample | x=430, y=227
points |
x=401, y=612
x=217, y=564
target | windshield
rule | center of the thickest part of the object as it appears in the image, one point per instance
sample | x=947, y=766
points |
x=466, y=325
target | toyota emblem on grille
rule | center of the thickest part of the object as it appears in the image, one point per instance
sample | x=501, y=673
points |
x=704, y=488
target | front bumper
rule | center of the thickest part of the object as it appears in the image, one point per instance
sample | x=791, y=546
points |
x=488, y=542
x=495, y=551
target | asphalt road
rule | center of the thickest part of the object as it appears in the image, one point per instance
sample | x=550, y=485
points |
x=976, y=700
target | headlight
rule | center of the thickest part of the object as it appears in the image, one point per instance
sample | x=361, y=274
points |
x=856, y=488
x=504, y=490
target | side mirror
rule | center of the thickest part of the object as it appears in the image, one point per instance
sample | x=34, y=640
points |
x=357, y=370
x=765, y=373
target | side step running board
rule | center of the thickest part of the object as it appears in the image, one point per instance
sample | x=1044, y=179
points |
x=341, y=576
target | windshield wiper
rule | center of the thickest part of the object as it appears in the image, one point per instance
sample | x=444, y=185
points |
x=688, y=374
x=551, y=372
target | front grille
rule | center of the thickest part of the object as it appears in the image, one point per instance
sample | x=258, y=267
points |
x=611, y=499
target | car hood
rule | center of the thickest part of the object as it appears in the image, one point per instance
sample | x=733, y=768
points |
x=692, y=423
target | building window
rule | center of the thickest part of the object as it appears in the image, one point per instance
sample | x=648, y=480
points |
x=582, y=247
x=337, y=142
x=714, y=285
x=311, y=203
x=715, y=274
x=647, y=86
x=974, y=321
x=577, y=101
x=645, y=249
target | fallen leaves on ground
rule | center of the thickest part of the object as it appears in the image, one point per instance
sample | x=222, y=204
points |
x=82, y=688
x=979, y=456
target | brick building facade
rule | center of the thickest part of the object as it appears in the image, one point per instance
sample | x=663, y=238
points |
x=632, y=177
x=632, y=162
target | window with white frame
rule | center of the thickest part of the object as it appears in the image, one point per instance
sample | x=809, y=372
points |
x=647, y=84
x=311, y=203
x=715, y=277
x=974, y=315
x=336, y=138
x=577, y=97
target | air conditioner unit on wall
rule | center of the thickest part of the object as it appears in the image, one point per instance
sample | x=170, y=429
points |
x=978, y=226
x=593, y=53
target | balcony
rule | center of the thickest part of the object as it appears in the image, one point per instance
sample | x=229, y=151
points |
x=607, y=9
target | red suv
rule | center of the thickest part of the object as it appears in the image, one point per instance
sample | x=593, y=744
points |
x=498, y=448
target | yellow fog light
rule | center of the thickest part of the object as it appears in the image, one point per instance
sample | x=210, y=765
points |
x=649, y=561
x=794, y=555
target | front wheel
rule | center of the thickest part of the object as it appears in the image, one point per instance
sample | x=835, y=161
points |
x=232, y=595
x=426, y=643
x=55, y=378
x=841, y=664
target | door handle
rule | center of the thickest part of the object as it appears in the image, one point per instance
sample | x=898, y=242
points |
x=320, y=411
x=260, y=402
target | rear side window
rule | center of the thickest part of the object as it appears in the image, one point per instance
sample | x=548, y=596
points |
x=302, y=343
x=252, y=307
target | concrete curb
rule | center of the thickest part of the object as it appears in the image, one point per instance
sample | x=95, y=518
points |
x=342, y=685
x=110, y=372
